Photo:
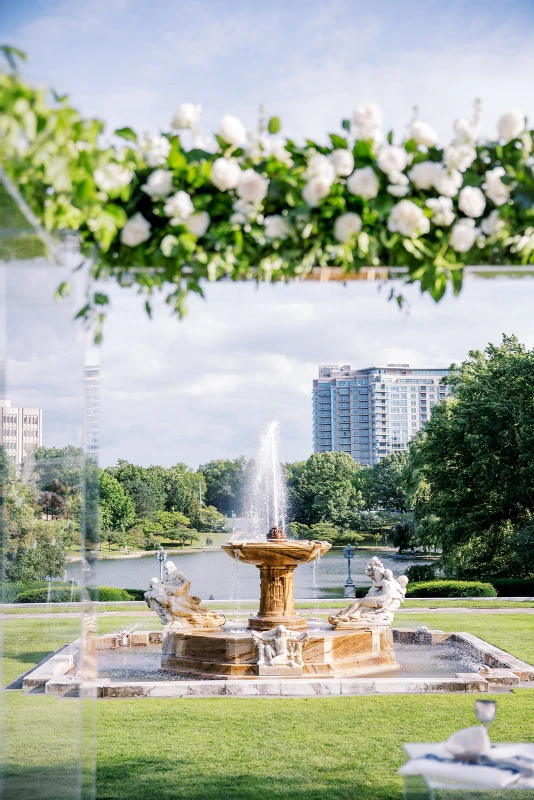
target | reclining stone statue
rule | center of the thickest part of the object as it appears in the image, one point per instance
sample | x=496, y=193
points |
x=385, y=596
x=174, y=605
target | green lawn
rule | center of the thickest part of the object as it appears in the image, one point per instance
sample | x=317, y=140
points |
x=239, y=748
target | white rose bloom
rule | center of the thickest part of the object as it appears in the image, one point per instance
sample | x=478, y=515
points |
x=472, y=201
x=136, y=230
x=368, y=121
x=167, y=243
x=422, y=175
x=252, y=187
x=255, y=146
x=278, y=150
x=159, y=184
x=187, y=116
x=232, y=130
x=156, y=150
x=423, y=133
x=315, y=190
x=442, y=211
x=178, y=207
x=497, y=191
x=463, y=235
x=398, y=189
x=346, y=226
x=466, y=131
x=112, y=177
x=511, y=125
x=276, y=227
x=198, y=223
x=364, y=183
x=492, y=223
x=343, y=161
x=408, y=219
x=320, y=166
x=225, y=173
x=447, y=182
x=392, y=159
x=459, y=156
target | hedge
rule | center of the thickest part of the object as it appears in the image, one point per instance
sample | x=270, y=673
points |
x=445, y=588
x=137, y=594
x=66, y=595
x=106, y=594
x=514, y=587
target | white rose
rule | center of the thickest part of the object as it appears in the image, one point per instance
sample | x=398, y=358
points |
x=472, y=201
x=465, y=130
x=511, y=125
x=398, y=189
x=178, y=207
x=463, y=235
x=492, y=223
x=408, y=219
x=187, y=116
x=225, y=173
x=252, y=186
x=320, y=166
x=392, y=159
x=112, y=177
x=156, y=150
x=315, y=190
x=442, y=211
x=278, y=150
x=346, y=226
x=135, y=231
x=447, y=182
x=422, y=175
x=167, y=243
x=159, y=184
x=343, y=161
x=232, y=130
x=198, y=223
x=276, y=227
x=423, y=133
x=368, y=121
x=364, y=183
x=459, y=156
x=497, y=191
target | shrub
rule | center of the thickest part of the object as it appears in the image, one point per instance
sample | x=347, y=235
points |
x=421, y=572
x=136, y=594
x=445, y=588
x=514, y=587
x=107, y=594
x=57, y=595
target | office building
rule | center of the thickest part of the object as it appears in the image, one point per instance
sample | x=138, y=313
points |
x=92, y=410
x=21, y=431
x=372, y=412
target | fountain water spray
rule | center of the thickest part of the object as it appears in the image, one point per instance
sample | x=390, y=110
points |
x=266, y=492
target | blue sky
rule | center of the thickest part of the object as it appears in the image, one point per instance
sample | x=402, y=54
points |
x=203, y=388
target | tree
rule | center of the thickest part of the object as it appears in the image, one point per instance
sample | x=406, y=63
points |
x=403, y=531
x=116, y=506
x=325, y=489
x=36, y=552
x=145, y=485
x=225, y=482
x=387, y=480
x=59, y=465
x=470, y=472
x=209, y=519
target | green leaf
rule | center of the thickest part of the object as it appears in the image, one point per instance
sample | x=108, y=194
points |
x=83, y=312
x=345, y=124
x=63, y=290
x=126, y=133
x=101, y=299
x=339, y=142
x=59, y=98
x=148, y=309
x=274, y=125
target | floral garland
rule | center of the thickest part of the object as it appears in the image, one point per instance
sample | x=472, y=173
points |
x=172, y=210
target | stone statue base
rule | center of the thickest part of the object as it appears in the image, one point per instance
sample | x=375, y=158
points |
x=273, y=671
x=327, y=653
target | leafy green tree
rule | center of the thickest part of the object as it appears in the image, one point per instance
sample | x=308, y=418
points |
x=388, y=487
x=184, y=490
x=403, y=531
x=116, y=506
x=59, y=466
x=470, y=472
x=209, y=519
x=37, y=552
x=145, y=485
x=225, y=481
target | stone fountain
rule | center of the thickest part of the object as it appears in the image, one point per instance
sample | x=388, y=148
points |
x=357, y=641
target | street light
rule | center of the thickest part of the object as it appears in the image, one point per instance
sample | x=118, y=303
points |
x=350, y=588
x=161, y=556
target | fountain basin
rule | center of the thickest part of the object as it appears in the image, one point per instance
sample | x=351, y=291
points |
x=276, y=560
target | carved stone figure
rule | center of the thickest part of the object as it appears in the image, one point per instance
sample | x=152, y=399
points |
x=384, y=597
x=175, y=606
x=280, y=647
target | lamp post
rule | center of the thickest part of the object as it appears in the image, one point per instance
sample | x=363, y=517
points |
x=161, y=556
x=350, y=588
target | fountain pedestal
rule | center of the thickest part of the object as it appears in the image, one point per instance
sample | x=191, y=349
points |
x=277, y=561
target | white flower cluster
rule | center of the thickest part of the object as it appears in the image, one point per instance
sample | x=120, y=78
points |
x=112, y=177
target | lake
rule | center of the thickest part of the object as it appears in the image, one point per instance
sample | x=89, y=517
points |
x=213, y=572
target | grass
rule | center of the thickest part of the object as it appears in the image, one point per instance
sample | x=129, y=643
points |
x=238, y=748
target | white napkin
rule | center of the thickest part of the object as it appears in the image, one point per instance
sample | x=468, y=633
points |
x=462, y=745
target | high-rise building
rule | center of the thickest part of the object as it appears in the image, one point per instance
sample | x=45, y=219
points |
x=21, y=431
x=92, y=410
x=372, y=412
